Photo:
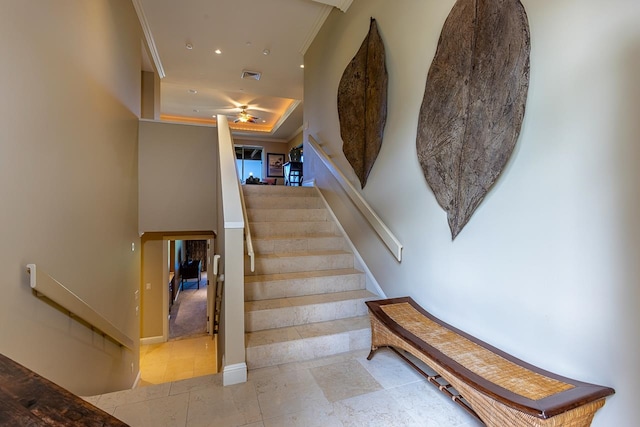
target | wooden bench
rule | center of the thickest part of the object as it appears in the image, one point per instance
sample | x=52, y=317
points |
x=492, y=385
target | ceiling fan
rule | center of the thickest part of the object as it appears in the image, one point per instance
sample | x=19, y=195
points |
x=245, y=117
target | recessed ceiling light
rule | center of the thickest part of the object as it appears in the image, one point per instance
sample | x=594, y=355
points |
x=196, y=111
x=248, y=43
x=301, y=65
x=266, y=52
x=189, y=46
x=193, y=91
x=218, y=51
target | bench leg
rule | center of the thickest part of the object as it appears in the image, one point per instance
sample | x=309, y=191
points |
x=372, y=352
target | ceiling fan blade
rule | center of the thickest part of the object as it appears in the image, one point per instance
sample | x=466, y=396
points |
x=262, y=109
x=231, y=101
x=225, y=110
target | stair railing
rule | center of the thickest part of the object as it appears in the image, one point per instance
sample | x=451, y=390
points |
x=231, y=341
x=75, y=307
x=389, y=239
x=247, y=233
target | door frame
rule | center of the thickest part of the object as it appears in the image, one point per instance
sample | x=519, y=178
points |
x=210, y=238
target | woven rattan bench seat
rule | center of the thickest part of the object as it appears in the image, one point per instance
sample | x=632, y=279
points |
x=498, y=388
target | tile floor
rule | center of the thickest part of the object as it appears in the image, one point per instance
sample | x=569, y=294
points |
x=342, y=390
x=177, y=360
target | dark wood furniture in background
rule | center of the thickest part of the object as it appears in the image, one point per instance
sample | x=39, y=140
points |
x=197, y=250
x=190, y=270
x=293, y=173
x=172, y=288
x=27, y=399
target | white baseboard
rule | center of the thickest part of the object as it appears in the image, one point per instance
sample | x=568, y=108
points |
x=309, y=183
x=372, y=284
x=137, y=380
x=152, y=340
x=234, y=374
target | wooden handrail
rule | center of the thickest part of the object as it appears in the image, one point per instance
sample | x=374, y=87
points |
x=389, y=239
x=47, y=286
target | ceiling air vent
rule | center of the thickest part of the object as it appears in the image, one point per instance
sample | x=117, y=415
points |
x=255, y=75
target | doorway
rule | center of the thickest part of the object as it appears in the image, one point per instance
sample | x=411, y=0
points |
x=163, y=359
x=192, y=253
x=188, y=305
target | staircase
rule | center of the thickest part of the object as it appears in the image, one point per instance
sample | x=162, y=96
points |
x=305, y=299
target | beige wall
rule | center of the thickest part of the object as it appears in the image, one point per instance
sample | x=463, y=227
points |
x=70, y=84
x=150, y=103
x=547, y=267
x=295, y=141
x=177, y=177
x=152, y=308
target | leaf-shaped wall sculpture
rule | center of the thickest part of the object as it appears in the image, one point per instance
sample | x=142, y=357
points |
x=362, y=104
x=474, y=103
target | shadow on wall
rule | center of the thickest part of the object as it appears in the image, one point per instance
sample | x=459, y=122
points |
x=627, y=205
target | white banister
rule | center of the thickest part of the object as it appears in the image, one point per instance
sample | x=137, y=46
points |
x=45, y=285
x=231, y=202
x=235, y=215
x=232, y=340
x=247, y=233
x=356, y=198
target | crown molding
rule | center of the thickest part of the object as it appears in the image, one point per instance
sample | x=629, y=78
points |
x=343, y=5
x=315, y=28
x=294, y=104
x=151, y=44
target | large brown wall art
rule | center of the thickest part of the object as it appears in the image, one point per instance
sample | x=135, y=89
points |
x=474, y=103
x=362, y=104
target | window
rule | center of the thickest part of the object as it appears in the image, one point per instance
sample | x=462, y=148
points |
x=248, y=162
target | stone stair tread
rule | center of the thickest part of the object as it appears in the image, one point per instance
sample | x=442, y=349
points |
x=292, y=233
x=310, y=330
x=251, y=190
x=306, y=298
x=250, y=195
x=251, y=306
x=265, y=230
x=307, y=222
x=300, y=275
x=301, y=254
x=293, y=203
x=277, y=209
x=279, y=196
x=306, y=236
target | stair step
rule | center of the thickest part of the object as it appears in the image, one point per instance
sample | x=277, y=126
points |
x=288, y=229
x=284, y=202
x=278, y=214
x=290, y=244
x=305, y=342
x=300, y=261
x=277, y=191
x=305, y=299
x=283, y=312
x=272, y=286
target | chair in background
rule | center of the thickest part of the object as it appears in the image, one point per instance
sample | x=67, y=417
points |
x=190, y=269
